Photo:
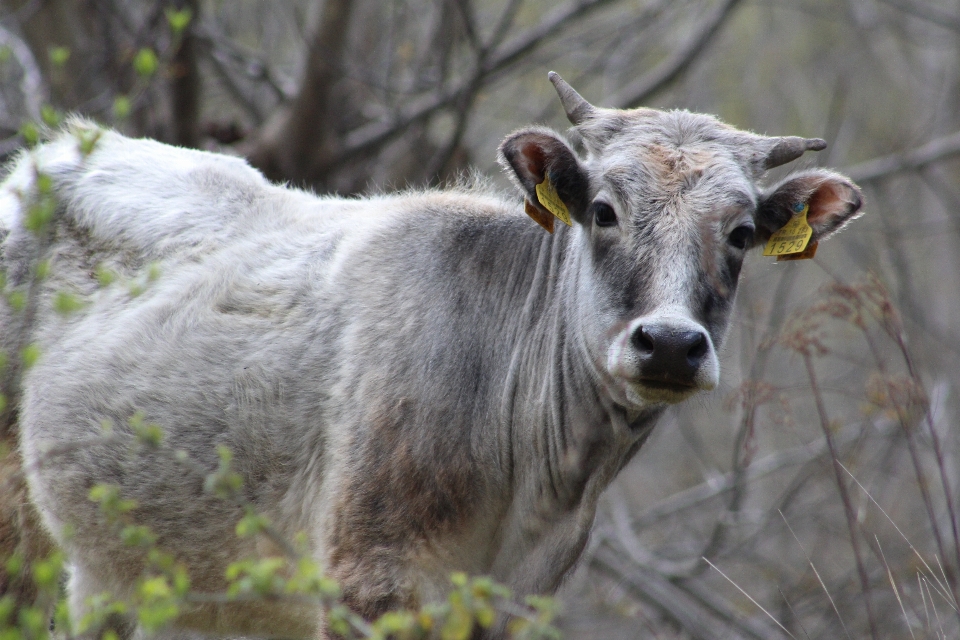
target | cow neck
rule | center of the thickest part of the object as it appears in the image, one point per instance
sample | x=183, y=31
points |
x=563, y=428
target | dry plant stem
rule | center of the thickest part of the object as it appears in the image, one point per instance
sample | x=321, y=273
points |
x=844, y=494
x=933, y=605
x=923, y=597
x=750, y=598
x=943, y=590
x=817, y=574
x=893, y=329
x=896, y=591
x=696, y=617
x=938, y=452
x=740, y=464
x=793, y=613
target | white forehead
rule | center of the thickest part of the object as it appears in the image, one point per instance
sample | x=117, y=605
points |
x=647, y=158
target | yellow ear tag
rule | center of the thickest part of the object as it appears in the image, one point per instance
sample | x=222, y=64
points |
x=550, y=199
x=793, y=237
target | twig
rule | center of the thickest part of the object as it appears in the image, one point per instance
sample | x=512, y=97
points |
x=886, y=166
x=844, y=494
x=637, y=92
x=927, y=11
x=31, y=86
x=375, y=134
x=693, y=615
x=764, y=466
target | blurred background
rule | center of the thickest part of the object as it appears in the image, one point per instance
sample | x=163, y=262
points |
x=813, y=495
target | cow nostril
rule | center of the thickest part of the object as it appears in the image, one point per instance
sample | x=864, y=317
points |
x=698, y=350
x=643, y=340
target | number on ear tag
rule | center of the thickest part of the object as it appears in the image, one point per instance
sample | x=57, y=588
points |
x=793, y=237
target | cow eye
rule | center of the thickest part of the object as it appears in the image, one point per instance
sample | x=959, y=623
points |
x=741, y=236
x=604, y=215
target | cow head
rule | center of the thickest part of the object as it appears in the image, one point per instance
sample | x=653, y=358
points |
x=664, y=205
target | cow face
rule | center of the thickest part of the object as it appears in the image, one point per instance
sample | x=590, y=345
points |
x=665, y=206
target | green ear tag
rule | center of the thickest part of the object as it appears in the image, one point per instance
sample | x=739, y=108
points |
x=793, y=237
x=550, y=199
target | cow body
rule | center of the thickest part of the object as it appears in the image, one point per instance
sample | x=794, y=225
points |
x=420, y=383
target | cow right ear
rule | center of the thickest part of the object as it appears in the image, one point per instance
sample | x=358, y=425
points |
x=548, y=172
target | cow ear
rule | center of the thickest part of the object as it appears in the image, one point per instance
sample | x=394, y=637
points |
x=834, y=200
x=539, y=156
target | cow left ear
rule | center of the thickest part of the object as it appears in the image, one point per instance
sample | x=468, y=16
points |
x=834, y=200
x=548, y=172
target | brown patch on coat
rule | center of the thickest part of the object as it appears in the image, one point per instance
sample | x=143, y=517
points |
x=677, y=170
x=21, y=532
x=403, y=492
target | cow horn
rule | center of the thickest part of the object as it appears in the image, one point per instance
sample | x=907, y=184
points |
x=573, y=103
x=790, y=148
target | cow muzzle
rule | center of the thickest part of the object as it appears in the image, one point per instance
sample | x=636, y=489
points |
x=663, y=358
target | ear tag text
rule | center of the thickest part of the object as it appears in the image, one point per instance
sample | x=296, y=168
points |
x=550, y=199
x=793, y=237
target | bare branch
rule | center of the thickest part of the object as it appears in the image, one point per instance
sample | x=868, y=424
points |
x=929, y=12
x=886, y=166
x=639, y=91
x=185, y=83
x=378, y=133
x=700, y=493
x=31, y=86
x=304, y=140
x=696, y=616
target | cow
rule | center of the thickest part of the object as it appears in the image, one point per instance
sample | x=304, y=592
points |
x=416, y=383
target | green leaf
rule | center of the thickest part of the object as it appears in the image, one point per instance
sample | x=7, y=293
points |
x=61, y=619
x=44, y=183
x=137, y=536
x=46, y=572
x=145, y=62
x=121, y=107
x=13, y=566
x=66, y=304
x=147, y=433
x=111, y=504
x=40, y=213
x=17, y=300
x=7, y=606
x=30, y=133
x=178, y=20
x=50, y=116
x=29, y=355
x=88, y=141
x=32, y=620
x=105, y=275
x=59, y=56
x=251, y=524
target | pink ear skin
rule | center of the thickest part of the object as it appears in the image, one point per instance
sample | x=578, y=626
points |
x=529, y=155
x=834, y=201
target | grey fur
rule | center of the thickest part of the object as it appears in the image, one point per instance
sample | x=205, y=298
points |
x=421, y=383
